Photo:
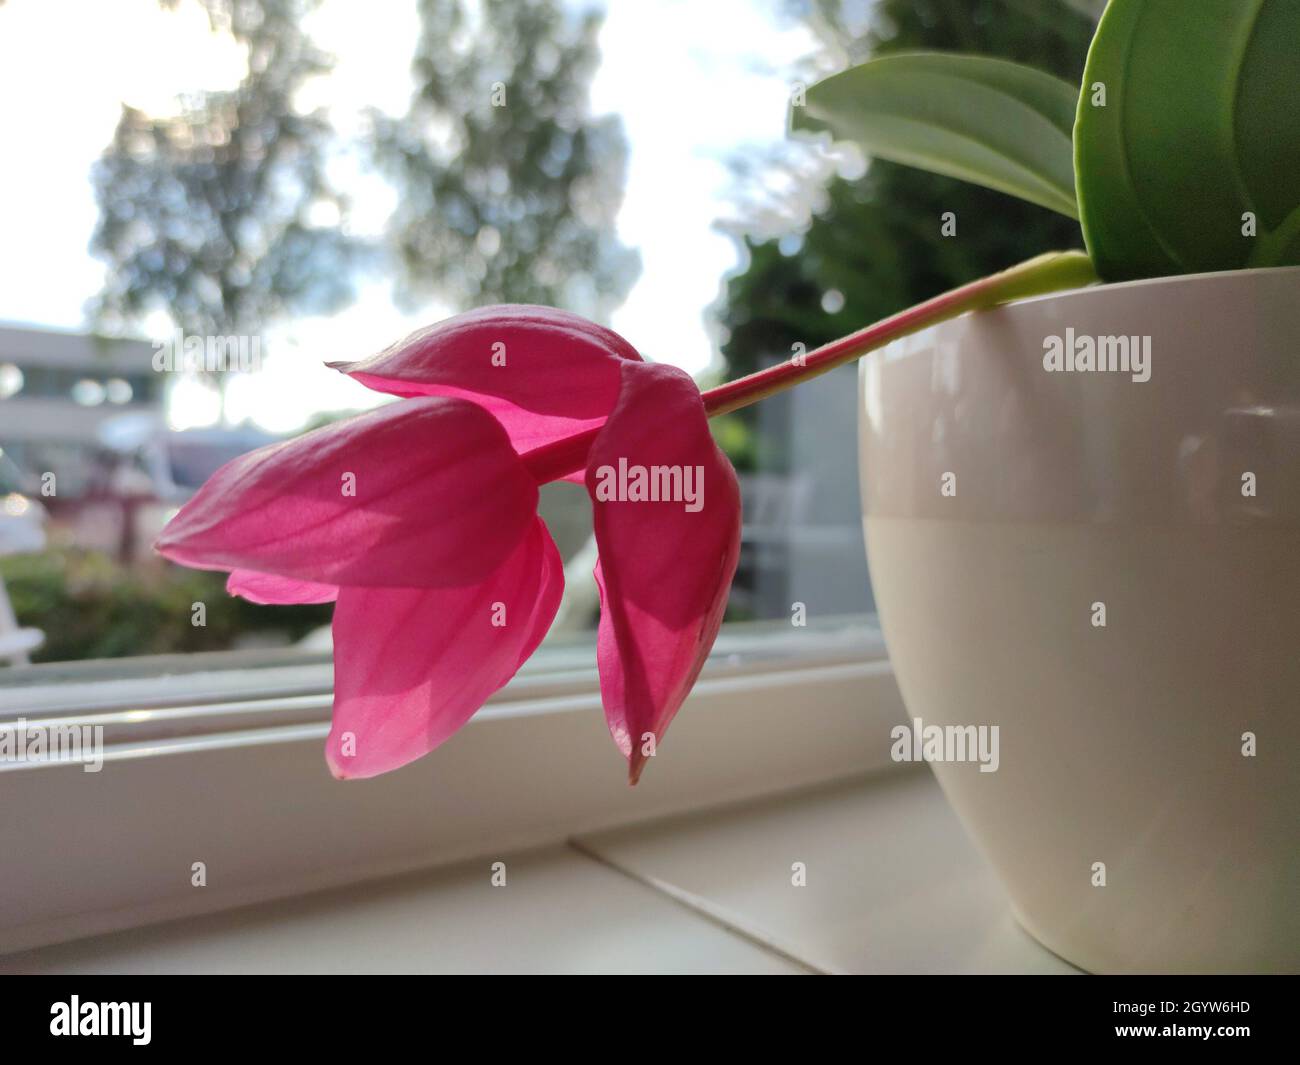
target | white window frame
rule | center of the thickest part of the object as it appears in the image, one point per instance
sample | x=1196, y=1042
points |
x=225, y=766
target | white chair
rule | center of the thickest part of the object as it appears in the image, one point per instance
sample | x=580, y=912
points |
x=21, y=533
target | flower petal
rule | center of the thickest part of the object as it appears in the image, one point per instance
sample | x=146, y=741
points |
x=543, y=373
x=413, y=665
x=267, y=588
x=425, y=493
x=665, y=569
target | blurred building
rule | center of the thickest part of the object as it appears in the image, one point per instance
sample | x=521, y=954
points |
x=802, y=539
x=57, y=389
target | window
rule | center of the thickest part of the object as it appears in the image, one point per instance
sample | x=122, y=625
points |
x=711, y=241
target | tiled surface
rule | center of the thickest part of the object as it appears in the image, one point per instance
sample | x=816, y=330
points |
x=892, y=885
x=558, y=913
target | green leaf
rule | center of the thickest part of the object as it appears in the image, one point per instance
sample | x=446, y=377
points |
x=1199, y=128
x=986, y=121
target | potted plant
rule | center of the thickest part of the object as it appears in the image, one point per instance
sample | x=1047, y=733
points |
x=1082, y=506
x=1082, y=510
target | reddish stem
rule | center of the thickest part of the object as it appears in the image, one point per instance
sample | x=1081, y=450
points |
x=1045, y=274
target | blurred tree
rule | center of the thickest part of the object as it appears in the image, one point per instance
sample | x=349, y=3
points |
x=221, y=215
x=877, y=246
x=508, y=186
x=208, y=214
x=1091, y=8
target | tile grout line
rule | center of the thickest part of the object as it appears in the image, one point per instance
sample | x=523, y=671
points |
x=701, y=907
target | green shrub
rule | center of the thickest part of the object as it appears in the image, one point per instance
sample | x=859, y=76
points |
x=90, y=606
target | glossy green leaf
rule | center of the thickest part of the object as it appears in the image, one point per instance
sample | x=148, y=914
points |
x=986, y=121
x=1199, y=134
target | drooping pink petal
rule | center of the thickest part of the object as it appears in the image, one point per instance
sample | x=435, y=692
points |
x=425, y=493
x=665, y=566
x=543, y=373
x=413, y=665
x=267, y=588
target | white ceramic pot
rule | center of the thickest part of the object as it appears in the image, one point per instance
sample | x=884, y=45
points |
x=1125, y=743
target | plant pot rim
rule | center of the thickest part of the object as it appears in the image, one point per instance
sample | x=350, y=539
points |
x=973, y=397
x=1168, y=280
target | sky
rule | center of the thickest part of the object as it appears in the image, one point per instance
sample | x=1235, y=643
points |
x=693, y=82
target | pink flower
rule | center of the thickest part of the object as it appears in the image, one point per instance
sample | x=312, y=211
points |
x=420, y=519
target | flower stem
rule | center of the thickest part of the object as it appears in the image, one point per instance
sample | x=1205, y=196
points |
x=1035, y=277
x=1047, y=273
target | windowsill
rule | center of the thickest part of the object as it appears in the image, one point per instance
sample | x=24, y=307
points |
x=893, y=886
x=198, y=681
x=225, y=767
